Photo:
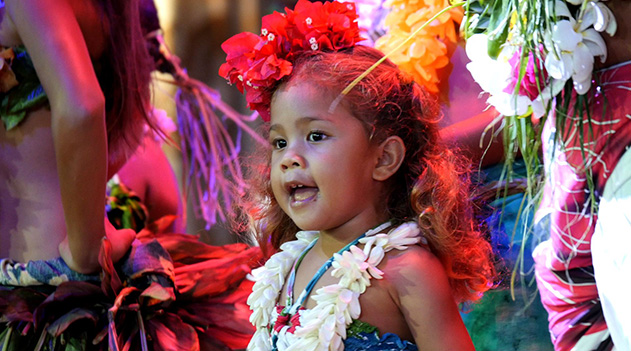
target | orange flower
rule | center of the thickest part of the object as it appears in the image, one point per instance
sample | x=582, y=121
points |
x=7, y=77
x=426, y=56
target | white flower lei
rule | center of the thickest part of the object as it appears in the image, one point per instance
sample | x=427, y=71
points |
x=324, y=326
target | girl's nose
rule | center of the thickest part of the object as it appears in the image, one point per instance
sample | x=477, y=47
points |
x=292, y=159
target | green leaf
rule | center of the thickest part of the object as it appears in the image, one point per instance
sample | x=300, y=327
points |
x=28, y=94
x=499, y=20
x=62, y=323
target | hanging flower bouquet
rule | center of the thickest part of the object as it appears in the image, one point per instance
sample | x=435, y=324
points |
x=532, y=57
x=536, y=58
x=533, y=48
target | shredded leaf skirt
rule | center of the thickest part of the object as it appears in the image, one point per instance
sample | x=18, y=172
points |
x=171, y=292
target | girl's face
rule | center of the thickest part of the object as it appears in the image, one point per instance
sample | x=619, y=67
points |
x=322, y=163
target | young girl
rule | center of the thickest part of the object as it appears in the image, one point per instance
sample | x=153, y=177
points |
x=368, y=210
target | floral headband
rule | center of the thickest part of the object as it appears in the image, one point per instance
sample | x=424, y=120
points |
x=255, y=63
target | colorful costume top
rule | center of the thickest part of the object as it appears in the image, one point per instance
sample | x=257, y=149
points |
x=333, y=324
x=20, y=89
x=568, y=212
x=124, y=207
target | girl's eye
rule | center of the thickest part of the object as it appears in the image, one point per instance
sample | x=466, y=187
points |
x=316, y=136
x=279, y=143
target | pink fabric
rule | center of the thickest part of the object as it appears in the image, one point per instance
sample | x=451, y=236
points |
x=563, y=262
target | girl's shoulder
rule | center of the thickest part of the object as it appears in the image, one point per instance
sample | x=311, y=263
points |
x=409, y=267
x=416, y=265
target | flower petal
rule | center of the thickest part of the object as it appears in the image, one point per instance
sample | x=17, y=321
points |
x=596, y=44
x=564, y=35
x=559, y=68
x=583, y=63
x=582, y=86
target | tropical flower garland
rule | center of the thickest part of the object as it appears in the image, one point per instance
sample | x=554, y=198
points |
x=324, y=326
x=256, y=63
x=534, y=49
x=427, y=55
x=541, y=55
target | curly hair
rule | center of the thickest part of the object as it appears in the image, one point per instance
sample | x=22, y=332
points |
x=432, y=185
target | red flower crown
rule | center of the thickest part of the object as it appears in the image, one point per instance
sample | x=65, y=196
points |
x=256, y=62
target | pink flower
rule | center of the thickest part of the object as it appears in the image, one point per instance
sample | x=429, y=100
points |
x=534, y=79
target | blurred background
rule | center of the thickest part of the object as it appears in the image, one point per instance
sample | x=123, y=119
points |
x=194, y=31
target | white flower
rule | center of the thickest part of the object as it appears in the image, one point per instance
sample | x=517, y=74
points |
x=260, y=340
x=351, y=267
x=572, y=53
x=600, y=17
x=496, y=84
x=481, y=64
x=406, y=234
x=572, y=45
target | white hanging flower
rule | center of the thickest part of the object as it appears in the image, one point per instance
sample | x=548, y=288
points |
x=572, y=48
x=568, y=50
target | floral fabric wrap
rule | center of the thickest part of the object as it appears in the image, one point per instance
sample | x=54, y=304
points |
x=564, y=262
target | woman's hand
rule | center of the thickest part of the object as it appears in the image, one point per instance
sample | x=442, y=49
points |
x=120, y=240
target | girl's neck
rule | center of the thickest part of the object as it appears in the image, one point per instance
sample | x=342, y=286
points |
x=332, y=240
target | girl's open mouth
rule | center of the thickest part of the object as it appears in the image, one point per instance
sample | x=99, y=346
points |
x=302, y=194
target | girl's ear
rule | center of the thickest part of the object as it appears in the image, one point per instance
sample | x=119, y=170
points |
x=391, y=155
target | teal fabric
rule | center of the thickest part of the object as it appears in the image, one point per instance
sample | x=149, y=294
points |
x=27, y=95
x=499, y=321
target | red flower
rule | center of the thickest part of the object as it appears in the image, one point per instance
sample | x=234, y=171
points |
x=293, y=321
x=256, y=63
x=238, y=50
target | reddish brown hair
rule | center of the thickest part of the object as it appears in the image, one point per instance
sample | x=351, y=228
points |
x=432, y=185
x=125, y=76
